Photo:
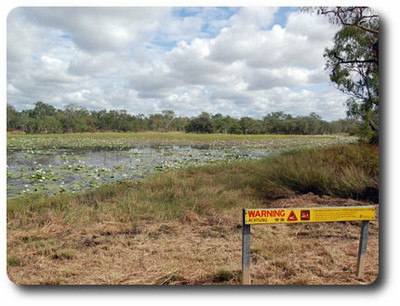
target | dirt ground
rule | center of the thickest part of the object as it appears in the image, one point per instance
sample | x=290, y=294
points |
x=198, y=251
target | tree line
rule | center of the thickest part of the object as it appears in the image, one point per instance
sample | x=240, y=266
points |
x=46, y=119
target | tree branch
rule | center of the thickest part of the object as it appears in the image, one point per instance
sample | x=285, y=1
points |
x=337, y=12
x=342, y=61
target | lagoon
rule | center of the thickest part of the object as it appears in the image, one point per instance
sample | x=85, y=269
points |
x=35, y=166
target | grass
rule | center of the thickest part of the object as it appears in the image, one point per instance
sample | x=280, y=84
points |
x=343, y=171
x=66, y=163
x=183, y=226
x=13, y=261
x=350, y=171
x=117, y=141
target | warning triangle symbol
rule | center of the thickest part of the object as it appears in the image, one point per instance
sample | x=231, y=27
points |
x=292, y=216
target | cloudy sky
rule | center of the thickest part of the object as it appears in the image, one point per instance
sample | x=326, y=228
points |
x=238, y=61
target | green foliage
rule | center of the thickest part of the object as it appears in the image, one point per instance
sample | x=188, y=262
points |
x=354, y=63
x=201, y=124
x=12, y=118
x=76, y=119
x=44, y=125
x=45, y=119
x=13, y=261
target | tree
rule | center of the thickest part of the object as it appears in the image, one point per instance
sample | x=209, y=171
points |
x=44, y=125
x=157, y=122
x=250, y=125
x=200, y=124
x=179, y=124
x=225, y=124
x=12, y=116
x=169, y=116
x=123, y=122
x=42, y=109
x=273, y=122
x=354, y=61
x=43, y=119
x=76, y=119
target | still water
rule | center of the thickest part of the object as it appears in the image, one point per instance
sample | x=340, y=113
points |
x=55, y=171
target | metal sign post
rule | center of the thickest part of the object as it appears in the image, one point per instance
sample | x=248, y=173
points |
x=362, y=249
x=245, y=252
x=305, y=215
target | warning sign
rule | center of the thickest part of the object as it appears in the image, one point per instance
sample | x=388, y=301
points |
x=292, y=217
x=305, y=215
x=312, y=214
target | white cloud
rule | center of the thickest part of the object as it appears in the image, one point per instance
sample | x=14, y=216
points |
x=234, y=61
x=189, y=63
x=96, y=65
x=253, y=18
x=101, y=29
x=12, y=90
x=24, y=38
x=283, y=77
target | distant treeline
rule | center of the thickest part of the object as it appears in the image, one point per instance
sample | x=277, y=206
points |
x=45, y=118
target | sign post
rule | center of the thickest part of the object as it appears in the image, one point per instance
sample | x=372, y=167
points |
x=245, y=252
x=362, y=249
x=305, y=215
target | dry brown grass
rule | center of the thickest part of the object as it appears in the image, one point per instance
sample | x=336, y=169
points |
x=198, y=249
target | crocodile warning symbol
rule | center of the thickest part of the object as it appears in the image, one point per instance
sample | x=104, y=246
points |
x=292, y=216
x=305, y=215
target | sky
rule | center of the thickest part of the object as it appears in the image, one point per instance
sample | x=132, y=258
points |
x=237, y=61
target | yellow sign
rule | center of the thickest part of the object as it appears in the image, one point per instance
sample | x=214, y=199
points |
x=312, y=214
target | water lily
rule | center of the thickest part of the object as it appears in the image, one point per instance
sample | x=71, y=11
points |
x=97, y=160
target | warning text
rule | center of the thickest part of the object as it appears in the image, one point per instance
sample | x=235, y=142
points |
x=311, y=214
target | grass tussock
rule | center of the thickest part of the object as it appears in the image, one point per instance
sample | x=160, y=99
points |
x=183, y=226
x=344, y=171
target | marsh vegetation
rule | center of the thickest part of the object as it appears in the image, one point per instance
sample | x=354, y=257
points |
x=58, y=163
x=181, y=225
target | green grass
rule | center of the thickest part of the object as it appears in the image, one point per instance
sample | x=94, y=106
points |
x=342, y=171
x=347, y=171
x=116, y=141
x=13, y=261
x=64, y=254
